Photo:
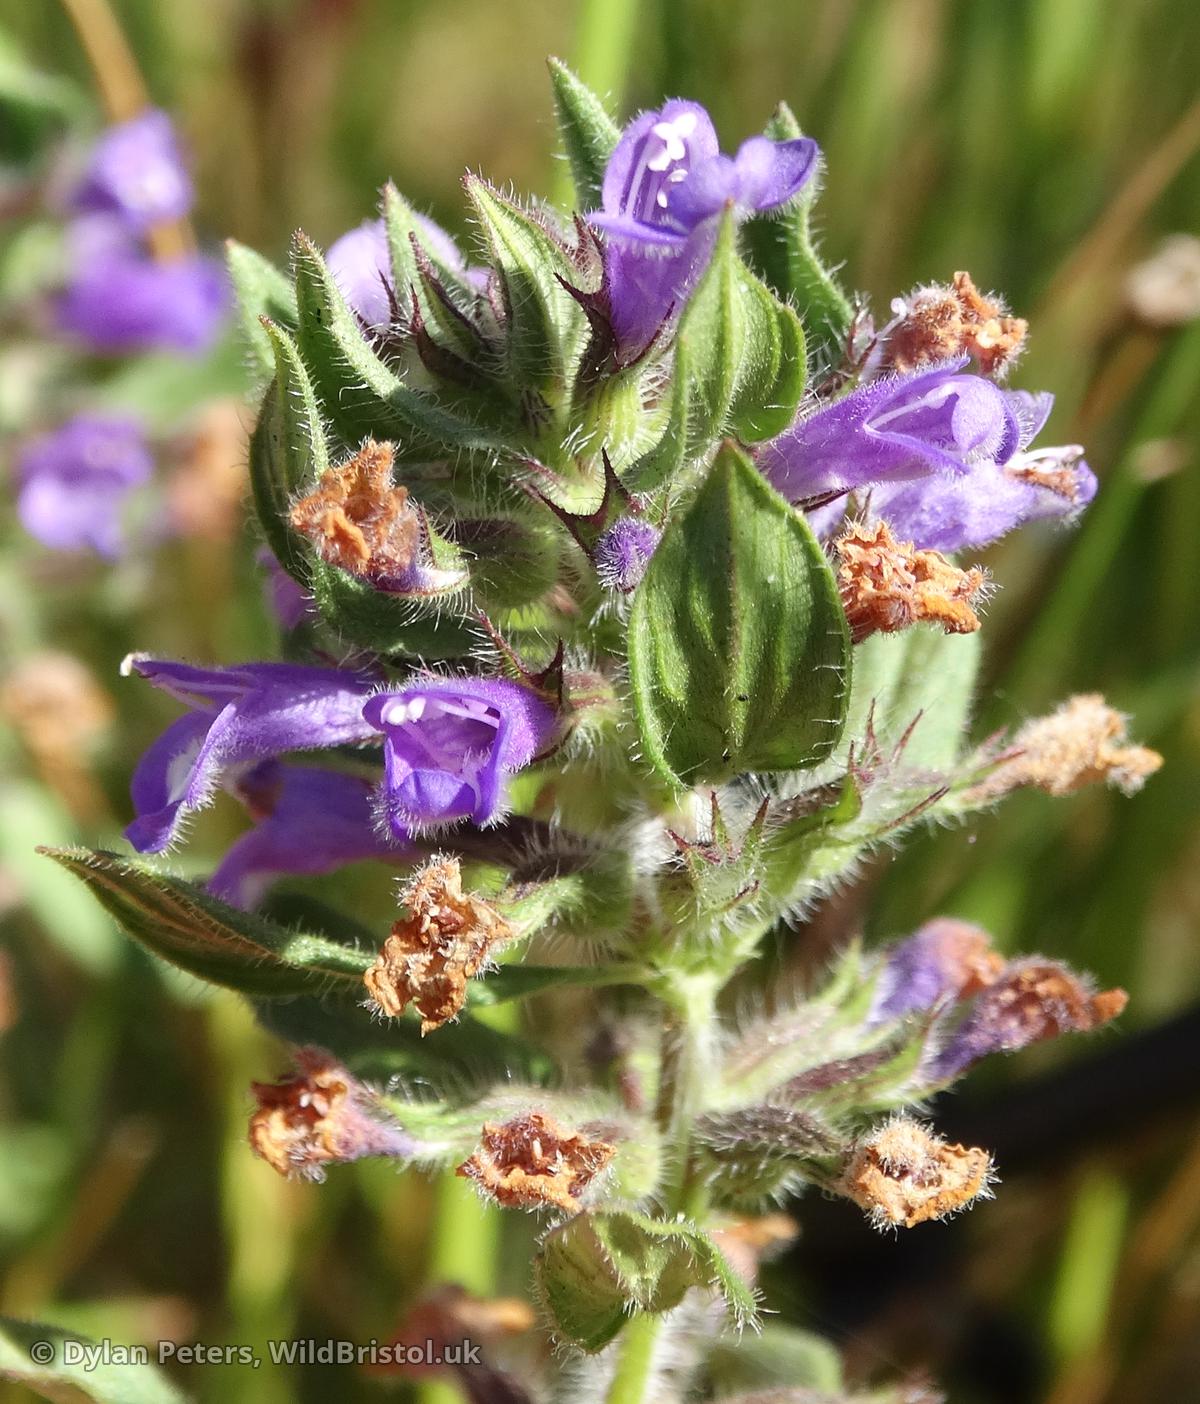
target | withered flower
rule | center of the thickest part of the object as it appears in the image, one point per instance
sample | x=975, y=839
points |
x=937, y=323
x=1032, y=1000
x=445, y=937
x=1082, y=742
x=902, y=1174
x=887, y=585
x=358, y=519
x=321, y=1116
x=530, y=1162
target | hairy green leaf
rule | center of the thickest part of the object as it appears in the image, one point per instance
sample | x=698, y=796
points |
x=738, y=647
x=587, y=131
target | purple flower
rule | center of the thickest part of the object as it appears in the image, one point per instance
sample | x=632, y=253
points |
x=240, y=715
x=943, y=960
x=940, y=455
x=665, y=188
x=623, y=552
x=136, y=172
x=361, y=265
x=900, y=428
x=76, y=480
x=119, y=299
x=306, y=821
x=449, y=744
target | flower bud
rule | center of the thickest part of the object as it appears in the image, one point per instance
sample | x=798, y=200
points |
x=445, y=939
x=530, y=1162
x=944, y=959
x=901, y=1173
x=887, y=585
x=319, y=1117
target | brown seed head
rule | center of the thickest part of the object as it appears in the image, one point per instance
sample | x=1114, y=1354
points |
x=358, y=520
x=887, y=585
x=903, y=1174
x=318, y=1117
x=940, y=322
x=530, y=1162
x=1034, y=1000
x=445, y=937
x=1083, y=742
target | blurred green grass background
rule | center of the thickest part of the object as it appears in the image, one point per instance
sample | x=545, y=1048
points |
x=1045, y=145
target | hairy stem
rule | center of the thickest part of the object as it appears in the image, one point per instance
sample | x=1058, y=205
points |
x=687, y=1061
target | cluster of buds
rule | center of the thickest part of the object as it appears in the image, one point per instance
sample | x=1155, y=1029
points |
x=622, y=618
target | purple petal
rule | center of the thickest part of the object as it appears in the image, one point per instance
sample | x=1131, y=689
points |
x=245, y=714
x=361, y=266
x=309, y=821
x=890, y=430
x=655, y=150
x=623, y=552
x=136, y=171
x=448, y=745
x=772, y=172
x=76, y=480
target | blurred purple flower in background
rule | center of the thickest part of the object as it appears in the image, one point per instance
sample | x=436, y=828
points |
x=665, y=188
x=136, y=172
x=245, y=714
x=307, y=821
x=449, y=743
x=118, y=299
x=76, y=480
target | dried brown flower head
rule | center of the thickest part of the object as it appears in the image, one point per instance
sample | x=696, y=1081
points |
x=901, y=1173
x=530, y=1162
x=358, y=520
x=208, y=481
x=445, y=937
x=1055, y=469
x=449, y=1319
x=938, y=322
x=1164, y=290
x=1082, y=742
x=320, y=1116
x=887, y=585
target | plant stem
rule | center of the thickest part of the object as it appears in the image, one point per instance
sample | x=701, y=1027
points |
x=686, y=1061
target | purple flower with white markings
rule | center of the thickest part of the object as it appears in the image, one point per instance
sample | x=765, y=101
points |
x=623, y=553
x=901, y=428
x=941, y=455
x=75, y=482
x=137, y=173
x=449, y=746
x=240, y=716
x=119, y=299
x=307, y=821
x=665, y=188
